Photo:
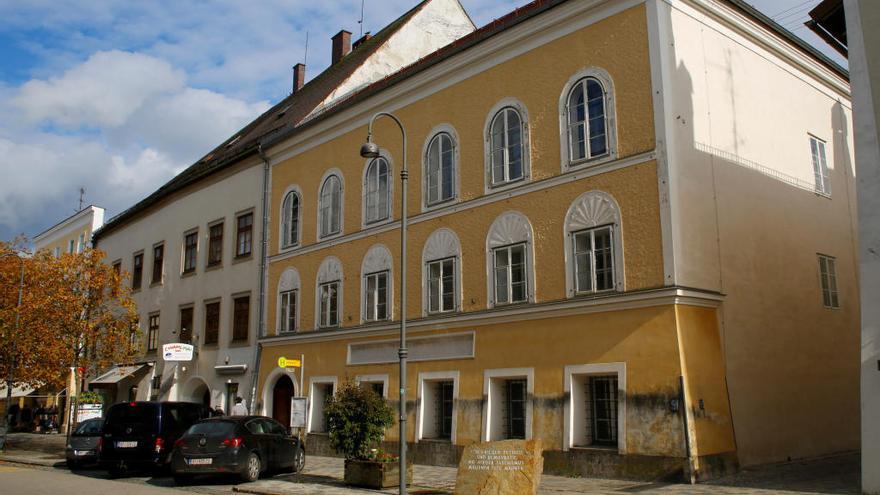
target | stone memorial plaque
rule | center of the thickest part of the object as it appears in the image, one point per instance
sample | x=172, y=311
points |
x=506, y=467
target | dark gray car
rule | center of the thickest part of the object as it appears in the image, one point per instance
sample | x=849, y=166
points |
x=84, y=445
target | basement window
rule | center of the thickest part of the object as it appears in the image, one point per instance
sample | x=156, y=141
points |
x=436, y=414
x=509, y=409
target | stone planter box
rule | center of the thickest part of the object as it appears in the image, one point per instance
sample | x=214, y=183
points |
x=376, y=475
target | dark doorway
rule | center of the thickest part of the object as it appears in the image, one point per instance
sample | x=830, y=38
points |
x=206, y=397
x=281, y=395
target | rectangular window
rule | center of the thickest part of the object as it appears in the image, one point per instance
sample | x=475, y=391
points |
x=329, y=309
x=322, y=394
x=376, y=297
x=71, y=246
x=441, y=285
x=241, y=307
x=190, y=250
x=81, y=245
x=510, y=274
x=212, y=322
x=820, y=166
x=57, y=251
x=288, y=311
x=117, y=268
x=828, y=276
x=593, y=260
x=153, y=332
x=515, y=408
x=444, y=409
x=186, y=325
x=158, y=257
x=137, y=271
x=244, y=235
x=602, y=406
x=215, y=244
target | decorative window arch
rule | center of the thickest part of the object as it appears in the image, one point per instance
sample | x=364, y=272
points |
x=330, y=205
x=377, y=189
x=288, y=301
x=506, y=141
x=441, y=159
x=587, y=118
x=290, y=217
x=510, y=260
x=376, y=284
x=328, y=293
x=593, y=245
x=441, y=272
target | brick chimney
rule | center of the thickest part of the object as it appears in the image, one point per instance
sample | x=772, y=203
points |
x=341, y=46
x=299, y=76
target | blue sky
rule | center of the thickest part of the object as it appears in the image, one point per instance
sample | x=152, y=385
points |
x=118, y=96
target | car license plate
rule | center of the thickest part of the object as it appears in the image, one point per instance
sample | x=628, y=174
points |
x=82, y=452
x=126, y=445
x=200, y=462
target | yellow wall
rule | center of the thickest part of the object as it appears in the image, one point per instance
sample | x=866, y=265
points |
x=63, y=243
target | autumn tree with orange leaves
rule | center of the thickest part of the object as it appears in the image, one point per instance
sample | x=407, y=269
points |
x=75, y=312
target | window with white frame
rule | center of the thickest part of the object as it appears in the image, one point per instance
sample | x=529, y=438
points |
x=290, y=220
x=595, y=413
x=828, y=277
x=593, y=260
x=510, y=274
x=377, y=191
x=506, y=147
x=322, y=394
x=820, y=166
x=378, y=384
x=508, y=409
x=288, y=311
x=587, y=120
x=376, y=296
x=440, y=169
x=330, y=206
x=57, y=251
x=81, y=245
x=71, y=246
x=437, y=409
x=441, y=285
x=328, y=294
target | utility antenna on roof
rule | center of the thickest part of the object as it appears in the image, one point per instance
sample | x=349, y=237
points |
x=361, y=22
x=306, y=56
x=82, y=193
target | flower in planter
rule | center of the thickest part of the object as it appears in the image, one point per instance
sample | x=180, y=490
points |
x=357, y=419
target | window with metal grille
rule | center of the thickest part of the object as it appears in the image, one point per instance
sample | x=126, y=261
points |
x=288, y=311
x=137, y=271
x=190, y=250
x=587, y=125
x=593, y=260
x=828, y=276
x=820, y=166
x=290, y=220
x=515, y=408
x=241, y=308
x=329, y=304
x=330, y=206
x=510, y=274
x=215, y=244
x=377, y=191
x=212, y=322
x=153, y=332
x=602, y=407
x=440, y=169
x=444, y=407
x=158, y=260
x=441, y=285
x=376, y=296
x=245, y=235
x=186, y=323
x=506, y=146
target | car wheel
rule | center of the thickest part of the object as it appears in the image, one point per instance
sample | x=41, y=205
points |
x=72, y=465
x=182, y=479
x=252, y=468
x=299, y=460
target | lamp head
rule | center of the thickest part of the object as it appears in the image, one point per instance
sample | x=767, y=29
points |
x=369, y=149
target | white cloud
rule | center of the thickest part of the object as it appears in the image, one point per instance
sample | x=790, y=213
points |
x=105, y=90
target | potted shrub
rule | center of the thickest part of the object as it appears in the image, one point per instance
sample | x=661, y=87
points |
x=357, y=419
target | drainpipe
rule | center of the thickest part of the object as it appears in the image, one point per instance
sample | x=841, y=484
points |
x=691, y=474
x=264, y=247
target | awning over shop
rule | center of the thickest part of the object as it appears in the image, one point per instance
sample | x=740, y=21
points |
x=117, y=374
x=20, y=391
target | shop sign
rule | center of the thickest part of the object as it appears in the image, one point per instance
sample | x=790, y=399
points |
x=88, y=411
x=177, y=352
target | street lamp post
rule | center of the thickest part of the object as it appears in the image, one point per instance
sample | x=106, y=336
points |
x=9, y=376
x=371, y=150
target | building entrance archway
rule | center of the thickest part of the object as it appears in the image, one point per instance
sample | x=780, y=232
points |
x=282, y=392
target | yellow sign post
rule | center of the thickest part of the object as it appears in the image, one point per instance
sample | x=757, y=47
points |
x=284, y=362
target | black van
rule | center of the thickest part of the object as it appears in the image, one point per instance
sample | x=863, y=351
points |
x=142, y=434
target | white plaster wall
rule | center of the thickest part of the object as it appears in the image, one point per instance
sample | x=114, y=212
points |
x=744, y=222
x=217, y=198
x=862, y=19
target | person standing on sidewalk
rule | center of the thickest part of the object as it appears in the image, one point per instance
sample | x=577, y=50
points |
x=239, y=409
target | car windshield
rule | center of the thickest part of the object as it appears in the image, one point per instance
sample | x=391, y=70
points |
x=91, y=427
x=212, y=428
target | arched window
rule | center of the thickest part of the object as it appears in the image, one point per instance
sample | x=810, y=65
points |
x=376, y=284
x=330, y=207
x=506, y=148
x=509, y=264
x=288, y=301
x=377, y=191
x=587, y=118
x=593, y=247
x=290, y=220
x=328, y=300
x=440, y=169
x=441, y=272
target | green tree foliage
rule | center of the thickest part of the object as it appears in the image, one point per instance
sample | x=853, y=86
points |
x=357, y=419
